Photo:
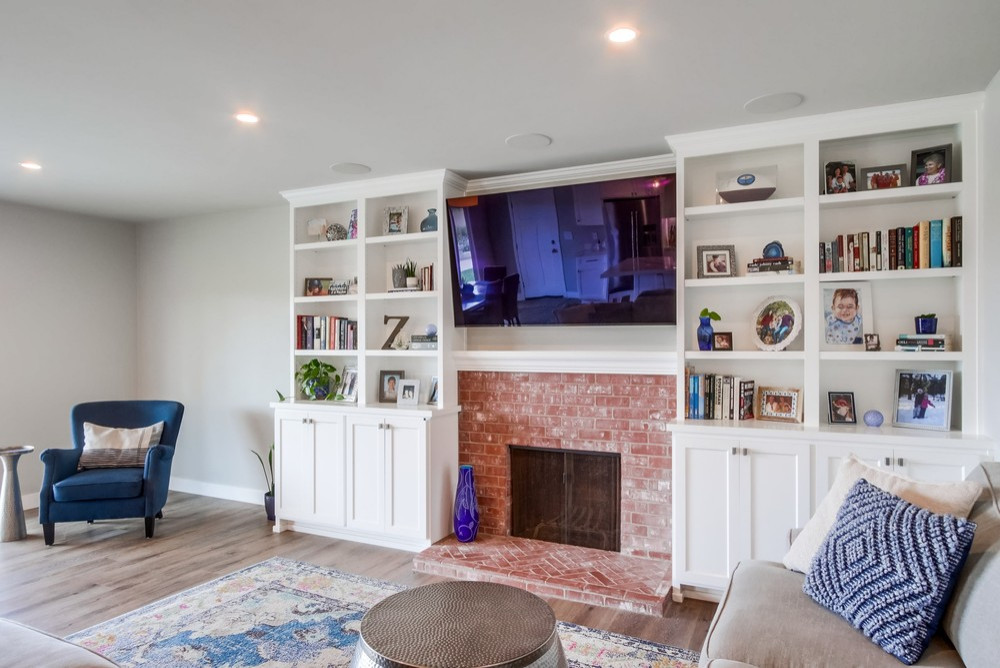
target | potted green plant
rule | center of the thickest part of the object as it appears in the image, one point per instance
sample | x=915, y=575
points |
x=705, y=330
x=410, y=271
x=268, y=480
x=318, y=380
x=926, y=323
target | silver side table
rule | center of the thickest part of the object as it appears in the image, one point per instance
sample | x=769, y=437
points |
x=12, y=525
x=460, y=625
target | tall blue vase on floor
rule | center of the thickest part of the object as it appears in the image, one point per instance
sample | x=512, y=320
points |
x=466, y=506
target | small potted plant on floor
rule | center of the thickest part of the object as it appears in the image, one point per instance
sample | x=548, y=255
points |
x=705, y=330
x=318, y=380
x=268, y=480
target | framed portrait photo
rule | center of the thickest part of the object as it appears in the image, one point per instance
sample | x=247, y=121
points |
x=776, y=322
x=847, y=315
x=317, y=287
x=722, y=341
x=879, y=178
x=929, y=166
x=779, y=404
x=841, y=177
x=716, y=261
x=349, y=385
x=409, y=391
x=842, y=408
x=922, y=399
x=388, y=386
x=395, y=220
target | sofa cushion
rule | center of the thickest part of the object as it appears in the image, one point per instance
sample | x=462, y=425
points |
x=99, y=484
x=109, y=447
x=25, y=647
x=765, y=620
x=971, y=618
x=888, y=567
x=953, y=498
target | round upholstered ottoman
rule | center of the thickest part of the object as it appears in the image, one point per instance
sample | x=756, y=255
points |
x=460, y=625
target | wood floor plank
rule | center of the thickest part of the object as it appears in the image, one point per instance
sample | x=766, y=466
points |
x=98, y=571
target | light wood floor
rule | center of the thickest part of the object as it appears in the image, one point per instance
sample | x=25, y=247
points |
x=98, y=571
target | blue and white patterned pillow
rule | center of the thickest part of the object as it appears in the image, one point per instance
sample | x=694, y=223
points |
x=888, y=567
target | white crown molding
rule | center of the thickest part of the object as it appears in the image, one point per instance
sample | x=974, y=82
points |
x=650, y=363
x=621, y=169
x=377, y=187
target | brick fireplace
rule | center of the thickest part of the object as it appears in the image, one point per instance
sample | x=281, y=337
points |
x=620, y=413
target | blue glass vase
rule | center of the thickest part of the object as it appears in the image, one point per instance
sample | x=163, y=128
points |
x=430, y=223
x=466, y=506
x=705, y=333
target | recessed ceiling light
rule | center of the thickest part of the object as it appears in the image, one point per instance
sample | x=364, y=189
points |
x=350, y=168
x=528, y=140
x=622, y=34
x=247, y=117
x=33, y=166
x=773, y=102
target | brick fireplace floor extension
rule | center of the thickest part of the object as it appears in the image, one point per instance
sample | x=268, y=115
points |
x=581, y=574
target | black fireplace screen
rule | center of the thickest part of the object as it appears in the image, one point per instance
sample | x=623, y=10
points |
x=566, y=496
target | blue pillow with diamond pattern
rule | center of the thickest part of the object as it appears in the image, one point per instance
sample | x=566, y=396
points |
x=888, y=567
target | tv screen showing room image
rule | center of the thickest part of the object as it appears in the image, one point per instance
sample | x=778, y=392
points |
x=598, y=253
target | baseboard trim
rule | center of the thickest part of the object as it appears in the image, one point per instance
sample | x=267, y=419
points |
x=214, y=490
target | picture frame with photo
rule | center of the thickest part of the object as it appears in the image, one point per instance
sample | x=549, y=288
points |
x=349, y=385
x=395, y=220
x=722, y=341
x=716, y=261
x=388, y=385
x=841, y=177
x=777, y=321
x=842, y=408
x=432, y=396
x=930, y=166
x=922, y=399
x=409, y=392
x=886, y=176
x=872, y=343
x=778, y=404
x=847, y=315
x=316, y=287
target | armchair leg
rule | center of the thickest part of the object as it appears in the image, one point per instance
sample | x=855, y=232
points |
x=149, y=527
x=49, y=532
x=159, y=515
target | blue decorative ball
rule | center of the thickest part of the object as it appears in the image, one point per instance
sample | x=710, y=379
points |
x=873, y=418
x=431, y=329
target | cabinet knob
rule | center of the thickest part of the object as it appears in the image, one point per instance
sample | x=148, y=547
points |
x=888, y=461
x=735, y=451
x=899, y=461
x=746, y=451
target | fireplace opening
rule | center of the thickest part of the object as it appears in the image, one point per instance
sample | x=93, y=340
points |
x=566, y=496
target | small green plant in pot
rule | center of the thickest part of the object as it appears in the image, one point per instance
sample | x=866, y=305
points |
x=318, y=380
x=925, y=323
x=410, y=270
x=705, y=330
x=268, y=480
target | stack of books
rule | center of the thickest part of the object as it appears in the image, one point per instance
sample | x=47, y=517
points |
x=759, y=265
x=423, y=342
x=923, y=342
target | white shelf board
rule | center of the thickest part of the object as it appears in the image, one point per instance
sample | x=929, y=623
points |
x=411, y=237
x=416, y=294
x=766, y=278
x=326, y=245
x=890, y=275
x=890, y=356
x=891, y=196
x=326, y=299
x=768, y=355
x=744, y=208
x=325, y=353
x=401, y=353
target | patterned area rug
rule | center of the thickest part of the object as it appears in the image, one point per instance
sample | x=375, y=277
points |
x=286, y=613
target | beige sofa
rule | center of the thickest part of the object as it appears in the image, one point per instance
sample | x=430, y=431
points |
x=25, y=647
x=765, y=620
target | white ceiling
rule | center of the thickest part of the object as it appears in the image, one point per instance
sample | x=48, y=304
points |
x=128, y=104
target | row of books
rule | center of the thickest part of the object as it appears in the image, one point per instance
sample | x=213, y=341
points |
x=926, y=245
x=326, y=332
x=923, y=342
x=713, y=396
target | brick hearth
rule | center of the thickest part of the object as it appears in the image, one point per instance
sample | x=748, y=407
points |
x=620, y=413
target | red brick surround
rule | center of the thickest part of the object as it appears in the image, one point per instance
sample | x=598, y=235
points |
x=619, y=413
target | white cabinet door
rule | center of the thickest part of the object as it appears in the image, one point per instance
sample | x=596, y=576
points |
x=328, y=434
x=774, y=496
x=294, y=465
x=405, y=477
x=935, y=465
x=706, y=495
x=829, y=457
x=365, y=480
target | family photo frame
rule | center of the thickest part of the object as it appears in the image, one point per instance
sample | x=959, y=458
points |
x=922, y=399
x=409, y=391
x=779, y=404
x=395, y=220
x=841, y=177
x=887, y=176
x=349, y=385
x=842, y=408
x=716, y=261
x=776, y=322
x=388, y=386
x=847, y=316
x=722, y=341
x=930, y=166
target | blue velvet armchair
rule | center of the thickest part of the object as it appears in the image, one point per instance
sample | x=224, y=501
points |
x=71, y=495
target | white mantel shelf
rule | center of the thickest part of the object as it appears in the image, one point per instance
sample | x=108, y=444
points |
x=663, y=362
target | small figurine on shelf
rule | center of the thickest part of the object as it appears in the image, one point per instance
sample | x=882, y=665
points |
x=705, y=328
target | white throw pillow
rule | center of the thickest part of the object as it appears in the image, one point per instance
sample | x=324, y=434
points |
x=113, y=447
x=946, y=498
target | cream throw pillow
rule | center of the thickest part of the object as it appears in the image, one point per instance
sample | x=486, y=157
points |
x=113, y=447
x=945, y=498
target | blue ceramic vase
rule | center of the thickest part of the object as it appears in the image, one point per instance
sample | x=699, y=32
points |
x=466, y=506
x=705, y=333
x=430, y=223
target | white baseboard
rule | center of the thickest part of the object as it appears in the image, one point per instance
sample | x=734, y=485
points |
x=29, y=501
x=228, y=492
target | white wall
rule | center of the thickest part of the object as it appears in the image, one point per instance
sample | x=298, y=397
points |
x=213, y=334
x=67, y=325
x=989, y=308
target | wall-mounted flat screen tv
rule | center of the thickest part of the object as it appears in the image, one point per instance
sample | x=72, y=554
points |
x=585, y=254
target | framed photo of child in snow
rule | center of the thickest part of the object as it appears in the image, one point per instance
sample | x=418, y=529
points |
x=847, y=315
x=922, y=399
